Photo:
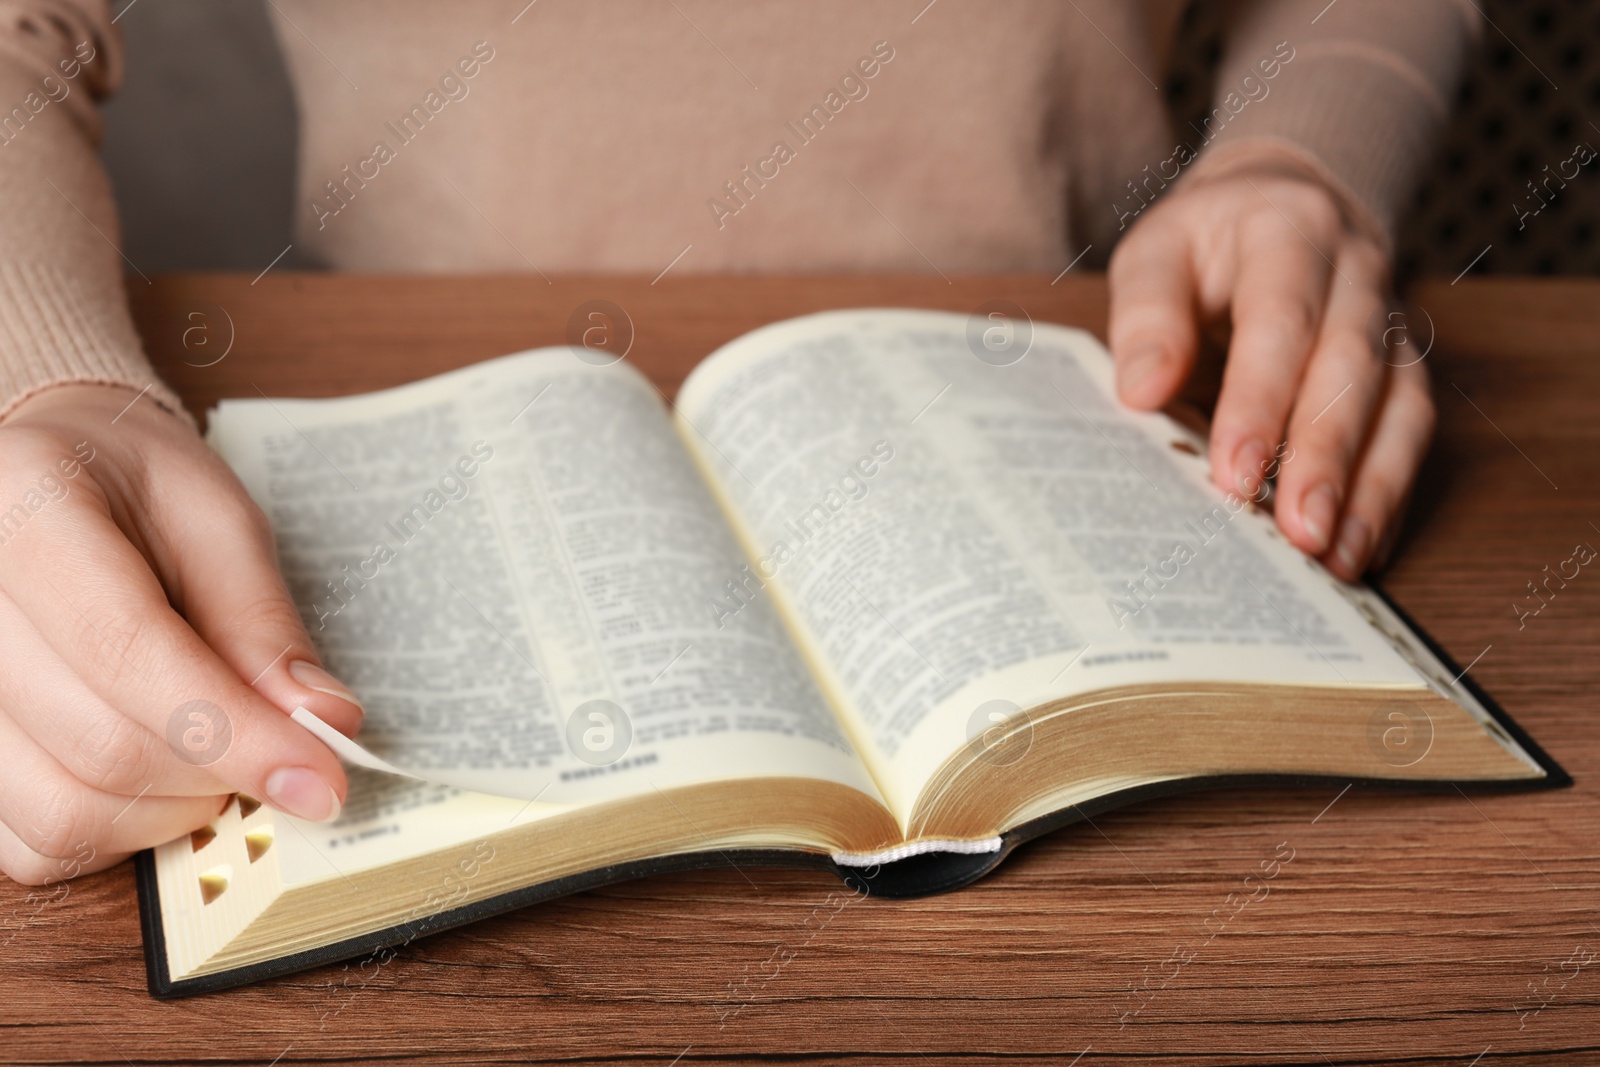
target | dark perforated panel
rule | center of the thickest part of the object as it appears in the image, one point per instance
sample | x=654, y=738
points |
x=1530, y=97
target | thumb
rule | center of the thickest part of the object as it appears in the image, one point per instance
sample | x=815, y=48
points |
x=233, y=595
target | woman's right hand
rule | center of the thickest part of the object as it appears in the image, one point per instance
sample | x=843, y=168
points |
x=151, y=651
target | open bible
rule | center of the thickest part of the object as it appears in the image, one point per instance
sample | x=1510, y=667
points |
x=888, y=593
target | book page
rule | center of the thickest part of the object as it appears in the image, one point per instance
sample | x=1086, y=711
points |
x=509, y=564
x=955, y=540
x=390, y=818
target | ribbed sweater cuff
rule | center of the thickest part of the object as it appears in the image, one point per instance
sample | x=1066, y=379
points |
x=50, y=334
x=1364, y=120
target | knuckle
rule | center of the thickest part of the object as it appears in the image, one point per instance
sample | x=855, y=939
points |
x=19, y=441
x=27, y=455
x=1323, y=449
x=1348, y=354
x=1144, y=327
x=1412, y=391
x=228, y=515
x=1281, y=320
x=61, y=819
x=1378, y=493
x=256, y=521
x=115, y=755
x=1425, y=413
x=1250, y=408
x=1124, y=256
x=29, y=868
x=1138, y=242
x=1334, y=444
x=269, y=613
x=1312, y=207
x=1322, y=213
x=1408, y=416
x=111, y=639
x=239, y=512
x=1369, y=262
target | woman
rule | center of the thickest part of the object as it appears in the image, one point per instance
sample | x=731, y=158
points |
x=637, y=135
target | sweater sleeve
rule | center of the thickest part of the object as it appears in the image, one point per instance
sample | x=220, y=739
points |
x=63, y=311
x=1356, y=91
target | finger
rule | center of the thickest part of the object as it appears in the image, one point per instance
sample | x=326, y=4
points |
x=224, y=570
x=1277, y=307
x=1336, y=405
x=1385, y=473
x=1153, y=315
x=94, y=599
x=21, y=864
x=97, y=744
x=58, y=817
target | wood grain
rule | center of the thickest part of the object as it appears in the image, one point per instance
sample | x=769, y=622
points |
x=1405, y=929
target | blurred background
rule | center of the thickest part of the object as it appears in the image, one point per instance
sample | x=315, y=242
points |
x=200, y=143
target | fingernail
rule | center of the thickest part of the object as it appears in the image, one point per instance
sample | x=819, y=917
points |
x=302, y=793
x=1318, y=509
x=1249, y=468
x=1355, y=537
x=1132, y=371
x=314, y=677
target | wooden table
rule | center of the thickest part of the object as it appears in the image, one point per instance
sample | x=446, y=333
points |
x=1426, y=930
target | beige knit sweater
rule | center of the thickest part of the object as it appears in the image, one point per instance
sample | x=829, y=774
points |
x=713, y=135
